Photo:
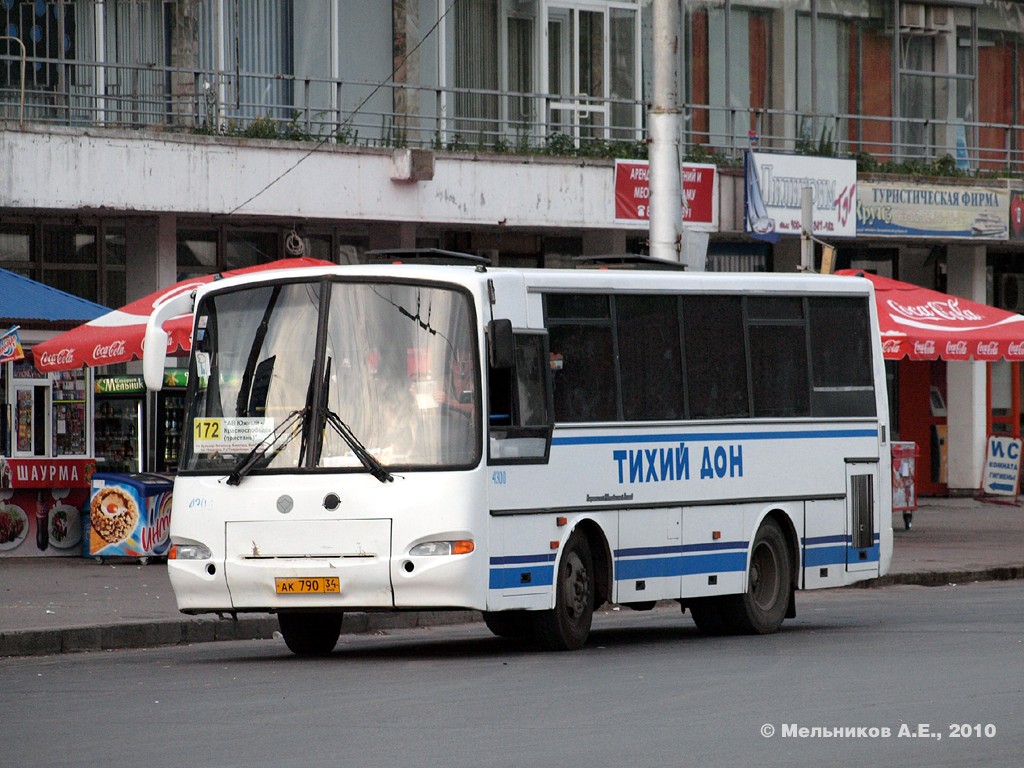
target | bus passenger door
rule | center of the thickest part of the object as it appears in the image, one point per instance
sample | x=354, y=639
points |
x=862, y=509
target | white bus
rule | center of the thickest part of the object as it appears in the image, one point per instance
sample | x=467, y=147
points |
x=531, y=444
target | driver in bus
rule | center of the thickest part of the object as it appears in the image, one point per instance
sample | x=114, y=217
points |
x=457, y=395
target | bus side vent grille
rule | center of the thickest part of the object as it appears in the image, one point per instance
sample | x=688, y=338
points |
x=863, y=511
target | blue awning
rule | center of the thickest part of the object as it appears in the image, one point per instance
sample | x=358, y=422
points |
x=34, y=305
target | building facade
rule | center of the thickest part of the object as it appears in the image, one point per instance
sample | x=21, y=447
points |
x=144, y=140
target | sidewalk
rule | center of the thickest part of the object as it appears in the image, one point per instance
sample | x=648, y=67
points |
x=61, y=605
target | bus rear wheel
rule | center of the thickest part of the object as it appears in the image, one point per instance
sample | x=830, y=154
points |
x=709, y=614
x=761, y=609
x=310, y=634
x=510, y=624
x=567, y=626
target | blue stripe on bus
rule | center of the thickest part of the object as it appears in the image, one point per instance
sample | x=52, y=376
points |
x=678, y=548
x=819, y=556
x=513, y=578
x=697, y=437
x=515, y=559
x=680, y=560
x=680, y=565
x=816, y=554
x=839, y=556
x=813, y=540
x=677, y=560
x=839, y=538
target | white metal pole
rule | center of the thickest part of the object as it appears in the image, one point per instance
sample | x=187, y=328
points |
x=807, y=229
x=335, y=15
x=664, y=121
x=442, y=78
x=100, y=31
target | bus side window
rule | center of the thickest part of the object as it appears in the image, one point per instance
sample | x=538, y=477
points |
x=519, y=396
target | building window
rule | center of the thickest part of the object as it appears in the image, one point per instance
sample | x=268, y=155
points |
x=255, y=39
x=47, y=31
x=85, y=259
x=822, y=78
x=735, y=87
x=15, y=247
x=207, y=250
x=475, y=67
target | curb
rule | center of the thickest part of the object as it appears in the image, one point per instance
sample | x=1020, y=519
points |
x=944, y=578
x=188, y=630
x=149, y=634
x=185, y=631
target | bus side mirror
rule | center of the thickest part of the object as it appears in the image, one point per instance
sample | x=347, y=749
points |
x=154, y=357
x=501, y=344
x=154, y=348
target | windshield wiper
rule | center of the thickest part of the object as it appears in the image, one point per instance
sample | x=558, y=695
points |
x=367, y=459
x=276, y=440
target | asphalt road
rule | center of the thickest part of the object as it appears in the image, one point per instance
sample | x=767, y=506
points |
x=647, y=690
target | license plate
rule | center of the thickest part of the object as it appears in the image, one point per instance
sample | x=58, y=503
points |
x=315, y=585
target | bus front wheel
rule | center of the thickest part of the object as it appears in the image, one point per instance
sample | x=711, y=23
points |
x=310, y=634
x=566, y=627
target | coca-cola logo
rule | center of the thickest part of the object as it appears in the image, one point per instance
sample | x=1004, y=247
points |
x=987, y=349
x=105, y=351
x=60, y=357
x=924, y=347
x=891, y=347
x=7, y=345
x=956, y=347
x=1015, y=349
x=933, y=311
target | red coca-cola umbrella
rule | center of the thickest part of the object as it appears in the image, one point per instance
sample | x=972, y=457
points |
x=921, y=324
x=117, y=336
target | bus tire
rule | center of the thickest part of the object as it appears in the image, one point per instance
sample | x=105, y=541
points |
x=567, y=626
x=709, y=615
x=310, y=634
x=761, y=609
x=511, y=624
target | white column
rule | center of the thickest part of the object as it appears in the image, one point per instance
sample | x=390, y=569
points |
x=664, y=120
x=100, y=30
x=965, y=381
x=151, y=246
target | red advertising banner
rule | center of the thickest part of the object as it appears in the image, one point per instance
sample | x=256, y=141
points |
x=46, y=473
x=700, y=192
x=42, y=523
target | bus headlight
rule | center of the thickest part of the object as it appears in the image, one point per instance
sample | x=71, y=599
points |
x=185, y=549
x=457, y=547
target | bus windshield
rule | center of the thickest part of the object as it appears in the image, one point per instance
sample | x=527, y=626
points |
x=325, y=374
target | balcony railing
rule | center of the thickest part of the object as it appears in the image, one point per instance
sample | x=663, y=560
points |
x=85, y=93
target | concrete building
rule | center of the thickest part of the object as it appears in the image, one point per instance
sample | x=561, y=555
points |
x=144, y=140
